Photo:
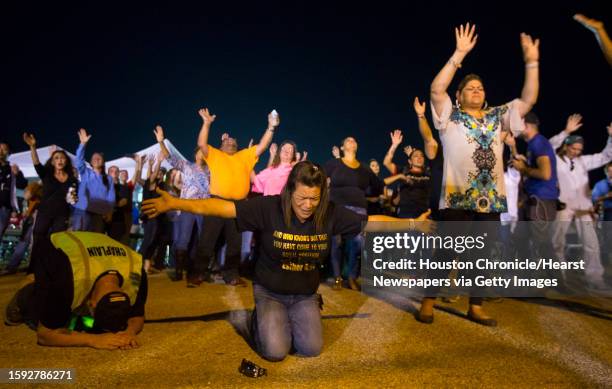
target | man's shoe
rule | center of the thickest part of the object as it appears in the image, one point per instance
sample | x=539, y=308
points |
x=193, y=281
x=180, y=259
x=13, y=315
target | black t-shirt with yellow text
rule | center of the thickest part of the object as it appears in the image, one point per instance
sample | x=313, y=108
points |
x=290, y=257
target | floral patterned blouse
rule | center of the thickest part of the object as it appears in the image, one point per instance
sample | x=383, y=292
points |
x=473, y=177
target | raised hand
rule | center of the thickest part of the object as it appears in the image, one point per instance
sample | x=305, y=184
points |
x=250, y=143
x=273, y=149
x=419, y=107
x=304, y=156
x=159, y=133
x=592, y=24
x=83, y=136
x=465, y=38
x=574, y=122
x=139, y=158
x=273, y=120
x=408, y=151
x=396, y=137
x=15, y=169
x=29, y=139
x=206, y=116
x=531, y=48
x=336, y=152
x=298, y=155
x=224, y=136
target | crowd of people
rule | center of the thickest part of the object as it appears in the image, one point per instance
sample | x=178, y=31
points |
x=218, y=215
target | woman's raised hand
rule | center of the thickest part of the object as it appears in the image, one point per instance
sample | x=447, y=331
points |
x=466, y=38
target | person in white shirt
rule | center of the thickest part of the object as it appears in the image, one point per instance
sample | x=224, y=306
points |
x=572, y=170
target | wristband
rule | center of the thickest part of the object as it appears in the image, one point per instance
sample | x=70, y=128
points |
x=454, y=63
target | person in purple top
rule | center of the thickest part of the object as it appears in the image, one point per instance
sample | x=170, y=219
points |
x=196, y=180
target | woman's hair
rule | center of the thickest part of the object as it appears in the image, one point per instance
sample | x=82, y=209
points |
x=276, y=160
x=409, y=162
x=570, y=140
x=312, y=175
x=104, y=175
x=468, y=78
x=68, y=169
x=169, y=182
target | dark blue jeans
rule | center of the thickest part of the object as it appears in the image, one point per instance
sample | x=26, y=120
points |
x=353, y=246
x=20, y=248
x=87, y=221
x=184, y=225
x=286, y=320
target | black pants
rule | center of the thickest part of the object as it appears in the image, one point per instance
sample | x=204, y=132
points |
x=469, y=227
x=152, y=238
x=29, y=305
x=215, y=227
x=44, y=226
x=540, y=214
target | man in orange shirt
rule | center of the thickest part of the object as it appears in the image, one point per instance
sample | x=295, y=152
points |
x=230, y=172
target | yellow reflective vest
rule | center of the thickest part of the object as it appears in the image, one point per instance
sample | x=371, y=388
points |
x=92, y=254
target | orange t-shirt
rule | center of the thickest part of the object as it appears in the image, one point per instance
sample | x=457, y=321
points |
x=230, y=175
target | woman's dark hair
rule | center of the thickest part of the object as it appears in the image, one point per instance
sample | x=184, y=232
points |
x=168, y=182
x=468, y=78
x=104, y=175
x=409, y=162
x=312, y=175
x=276, y=160
x=68, y=169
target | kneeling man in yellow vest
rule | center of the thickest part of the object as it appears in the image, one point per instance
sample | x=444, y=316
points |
x=89, y=290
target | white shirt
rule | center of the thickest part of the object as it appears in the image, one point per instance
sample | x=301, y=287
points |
x=574, y=184
x=512, y=178
x=473, y=152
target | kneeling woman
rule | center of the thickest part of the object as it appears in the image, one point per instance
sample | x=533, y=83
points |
x=296, y=228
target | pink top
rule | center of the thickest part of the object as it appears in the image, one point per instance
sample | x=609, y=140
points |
x=271, y=181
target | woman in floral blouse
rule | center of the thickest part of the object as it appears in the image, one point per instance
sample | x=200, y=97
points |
x=472, y=141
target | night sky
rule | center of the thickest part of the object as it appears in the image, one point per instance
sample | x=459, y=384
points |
x=331, y=71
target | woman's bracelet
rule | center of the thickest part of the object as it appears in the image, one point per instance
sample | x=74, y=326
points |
x=531, y=65
x=454, y=63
